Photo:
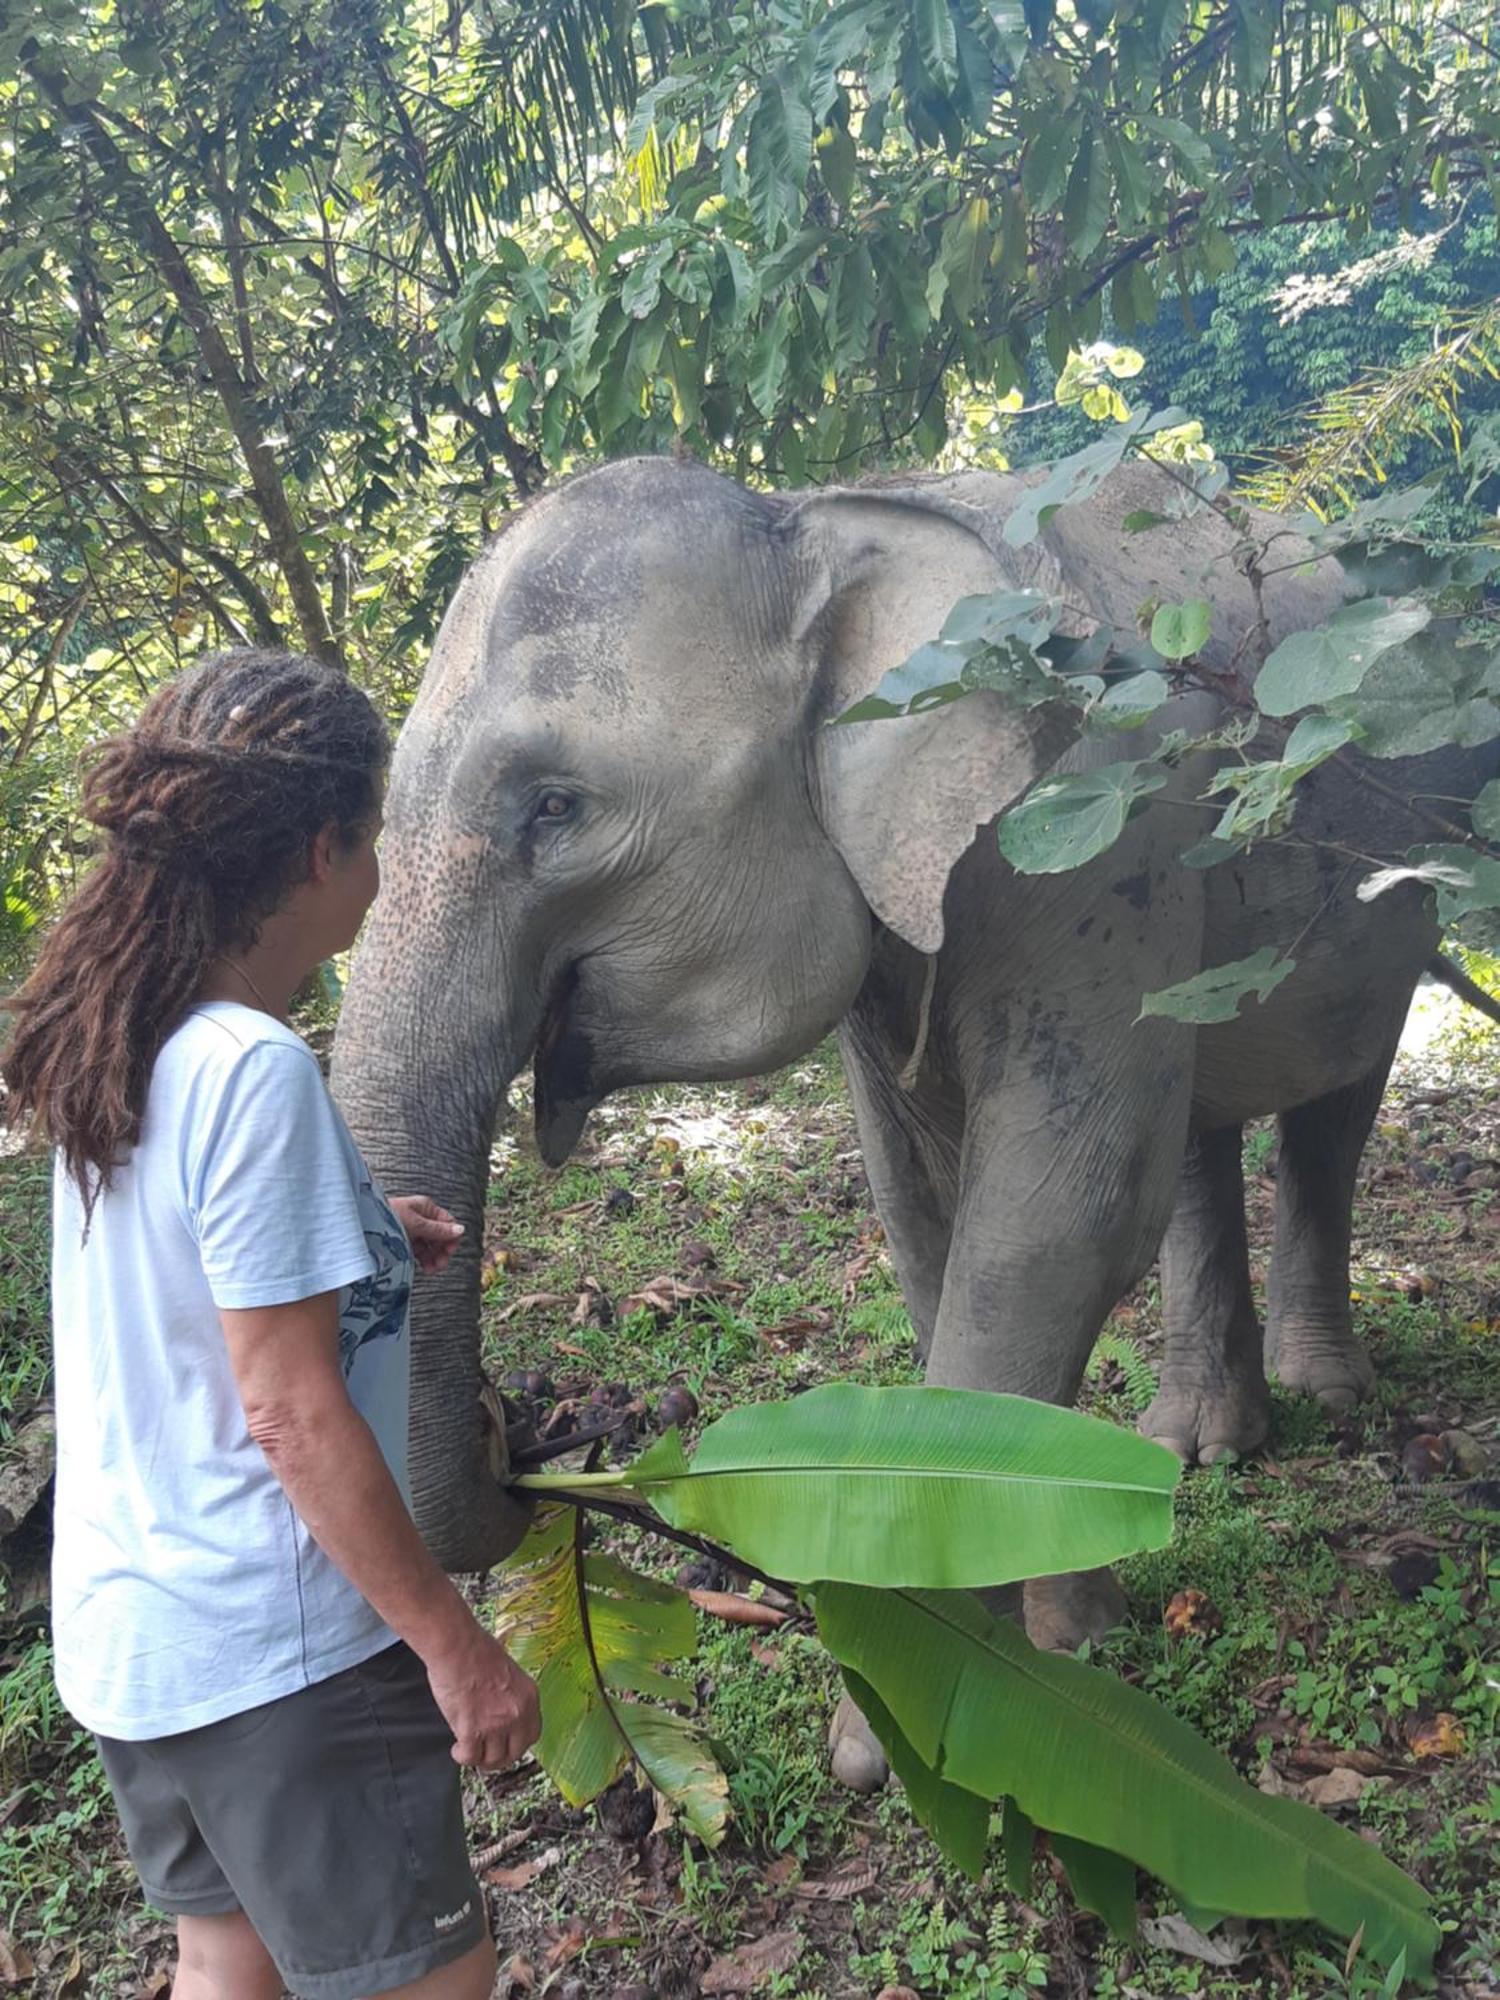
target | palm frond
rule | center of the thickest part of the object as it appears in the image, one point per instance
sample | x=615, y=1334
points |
x=1356, y=432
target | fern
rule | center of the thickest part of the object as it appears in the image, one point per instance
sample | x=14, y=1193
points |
x=1140, y=1376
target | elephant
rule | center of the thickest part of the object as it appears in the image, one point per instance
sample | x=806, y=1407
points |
x=624, y=844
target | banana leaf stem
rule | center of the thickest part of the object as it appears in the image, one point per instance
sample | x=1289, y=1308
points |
x=640, y=1515
x=560, y=1484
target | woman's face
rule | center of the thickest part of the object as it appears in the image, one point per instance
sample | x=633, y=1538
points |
x=349, y=886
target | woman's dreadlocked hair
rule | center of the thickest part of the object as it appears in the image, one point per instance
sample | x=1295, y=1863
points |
x=211, y=805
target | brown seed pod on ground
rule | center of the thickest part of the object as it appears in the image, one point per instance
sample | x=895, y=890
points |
x=1190, y=1613
x=678, y=1405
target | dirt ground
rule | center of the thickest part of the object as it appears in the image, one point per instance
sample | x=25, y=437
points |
x=1348, y=1637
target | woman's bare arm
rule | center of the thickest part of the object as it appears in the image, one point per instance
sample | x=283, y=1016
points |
x=286, y=1364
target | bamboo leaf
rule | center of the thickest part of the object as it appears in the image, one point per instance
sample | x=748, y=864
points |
x=948, y=1487
x=1085, y=1756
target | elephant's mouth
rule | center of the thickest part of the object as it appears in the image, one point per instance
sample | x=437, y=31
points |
x=562, y=1072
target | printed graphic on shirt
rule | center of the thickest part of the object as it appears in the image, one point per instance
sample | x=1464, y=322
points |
x=374, y=1308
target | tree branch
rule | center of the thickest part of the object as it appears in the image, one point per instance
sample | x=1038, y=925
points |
x=156, y=239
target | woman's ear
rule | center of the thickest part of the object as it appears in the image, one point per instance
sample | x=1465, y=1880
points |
x=902, y=799
x=327, y=844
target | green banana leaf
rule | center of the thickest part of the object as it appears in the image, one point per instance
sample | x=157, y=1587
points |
x=591, y=1632
x=1102, y=1882
x=939, y=1489
x=958, y=1820
x=1086, y=1756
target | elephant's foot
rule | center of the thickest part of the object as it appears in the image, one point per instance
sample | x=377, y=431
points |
x=1062, y=1611
x=1223, y=1419
x=1331, y=1366
x=857, y=1759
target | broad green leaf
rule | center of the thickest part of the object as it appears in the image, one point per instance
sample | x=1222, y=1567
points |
x=836, y=161
x=1180, y=630
x=1084, y=1755
x=769, y=358
x=1101, y=1882
x=949, y=1487
x=778, y=153
x=1319, y=666
x=958, y=1820
x=1018, y=1840
x=587, y=1651
x=1074, y=478
x=1484, y=814
x=1424, y=695
x=992, y=616
x=1086, y=203
x=1315, y=739
x=1142, y=518
x=1065, y=821
x=937, y=42
x=1126, y=704
x=1215, y=995
x=930, y=676
x=1044, y=167
x=851, y=308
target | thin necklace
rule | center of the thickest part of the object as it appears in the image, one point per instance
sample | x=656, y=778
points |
x=219, y=959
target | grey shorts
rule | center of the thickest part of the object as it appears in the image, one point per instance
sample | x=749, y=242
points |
x=332, y=1817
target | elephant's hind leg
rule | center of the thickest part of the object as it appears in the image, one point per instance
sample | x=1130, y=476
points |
x=1212, y=1403
x=1309, y=1327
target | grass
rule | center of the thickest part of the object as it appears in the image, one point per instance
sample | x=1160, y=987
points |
x=754, y=1201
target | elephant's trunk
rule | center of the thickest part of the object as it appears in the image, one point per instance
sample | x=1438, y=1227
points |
x=420, y=1077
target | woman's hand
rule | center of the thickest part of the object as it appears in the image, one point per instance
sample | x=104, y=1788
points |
x=430, y=1230
x=488, y=1702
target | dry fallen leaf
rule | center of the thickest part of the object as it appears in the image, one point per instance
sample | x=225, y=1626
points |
x=1440, y=1735
x=518, y=1976
x=72, y=1982
x=734, y=1609
x=896, y=1993
x=16, y=1965
x=852, y=1879
x=781, y=1871
x=529, y=1300
x=567, y=1944
x=1227, y=1946
x=1338, y=1787
x=524, y=1872
x=751, y=1965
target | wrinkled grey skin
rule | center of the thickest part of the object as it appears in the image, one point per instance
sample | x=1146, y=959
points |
x=658, y=650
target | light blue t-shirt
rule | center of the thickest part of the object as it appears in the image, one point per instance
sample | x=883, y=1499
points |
x=184, y=1585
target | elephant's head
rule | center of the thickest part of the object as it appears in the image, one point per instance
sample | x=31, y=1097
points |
x=621, y=845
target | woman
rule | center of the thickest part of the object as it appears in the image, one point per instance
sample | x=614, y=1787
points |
x=282, y=1681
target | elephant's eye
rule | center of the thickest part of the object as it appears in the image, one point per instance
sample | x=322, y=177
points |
x=553, y=806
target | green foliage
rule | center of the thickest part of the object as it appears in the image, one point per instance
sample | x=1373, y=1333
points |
x=938, y=1487
x=1215, y=995
x=591, y=1634
x=1087, y=1756
x=919, y=1490
x=1066, y=821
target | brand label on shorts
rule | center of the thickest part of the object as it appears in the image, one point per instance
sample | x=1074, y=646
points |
x=453, y=1917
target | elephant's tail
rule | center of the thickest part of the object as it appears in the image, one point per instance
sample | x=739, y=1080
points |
x=1446, y=973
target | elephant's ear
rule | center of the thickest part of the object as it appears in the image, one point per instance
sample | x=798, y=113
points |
x=902, y=799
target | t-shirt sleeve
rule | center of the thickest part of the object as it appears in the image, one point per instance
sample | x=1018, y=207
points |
x=270, y=1192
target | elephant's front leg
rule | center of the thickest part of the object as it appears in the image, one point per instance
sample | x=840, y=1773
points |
x=1061, y=1211
x=1213, y=1402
